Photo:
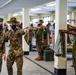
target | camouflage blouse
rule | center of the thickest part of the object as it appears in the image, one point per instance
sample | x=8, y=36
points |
x=39, y=33
x=15, y=38
x=2, y=43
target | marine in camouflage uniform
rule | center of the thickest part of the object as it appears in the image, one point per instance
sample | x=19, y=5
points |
x=15, y=53
x=72, y=30
x=45, y=32
x=28, y=36
x=39, y=38
x=74, y=52
x=2, y=43
x=39, y=41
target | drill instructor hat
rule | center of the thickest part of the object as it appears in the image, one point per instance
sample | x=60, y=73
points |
x=13, y=20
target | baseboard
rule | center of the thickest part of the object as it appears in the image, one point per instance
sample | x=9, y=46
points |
x=59, y=71
x=26, y=52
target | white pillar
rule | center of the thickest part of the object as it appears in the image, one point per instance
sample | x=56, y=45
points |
x=70, y=17
x=9, y=16
x=74, y=17
x=60, y=23
x=25, y=21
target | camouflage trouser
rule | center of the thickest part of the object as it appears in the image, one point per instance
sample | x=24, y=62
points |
x=11, y=58
x=74, y=52
x=45, y=41
x=74, y=56
x=0, y=61
x=39, y=49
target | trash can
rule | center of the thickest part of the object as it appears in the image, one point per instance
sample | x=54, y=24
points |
x=48, y=55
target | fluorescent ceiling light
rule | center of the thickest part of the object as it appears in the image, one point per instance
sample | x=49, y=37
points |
x=35, y=9
x=21, y=12
x=71, y=0
x=51, y=4
x=5, y=3
x=16, y=14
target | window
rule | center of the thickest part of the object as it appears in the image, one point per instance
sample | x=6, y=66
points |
x=34, y=21
x=46, y=19
x=68, y=20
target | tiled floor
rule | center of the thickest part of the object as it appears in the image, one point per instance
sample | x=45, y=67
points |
x=49, y=65
x=29, y=68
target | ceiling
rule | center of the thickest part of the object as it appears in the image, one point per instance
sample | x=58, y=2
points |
x=17, y=5
x=12, y=6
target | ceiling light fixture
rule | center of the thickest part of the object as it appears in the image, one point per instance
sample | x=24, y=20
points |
x=15, y=14
x=21, y=12
x=50, y=4
x=72, y=1
x=5, y=3
x=35, y=9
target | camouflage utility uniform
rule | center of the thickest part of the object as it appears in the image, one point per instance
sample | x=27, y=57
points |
x=2, y=47
x=39, y=33
x=15, y=53
x=74, y=51
x=45, y=36
x=28, y=36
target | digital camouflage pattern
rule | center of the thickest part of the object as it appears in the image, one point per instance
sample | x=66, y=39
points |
x=0, y=61
x=2, y=47
x=45, y=36
x=10, y=61
x=39, y=43
x=62, y=40
x=59, y=47
x=28, y=36
x=74, y=51
x=15, y=53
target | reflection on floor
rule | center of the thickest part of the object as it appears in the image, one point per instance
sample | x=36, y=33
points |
x=33, y=67
x=49, y=65
x=29, y=68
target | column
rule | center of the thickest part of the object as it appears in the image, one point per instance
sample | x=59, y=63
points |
x=60, y=23
x=74, y=17
x=9, y=16
x=25, y=21
x=70, y=18
x=52, y=17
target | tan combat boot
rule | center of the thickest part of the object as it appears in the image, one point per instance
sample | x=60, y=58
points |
x=38, y=58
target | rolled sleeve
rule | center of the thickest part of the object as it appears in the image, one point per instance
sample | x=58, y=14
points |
x=21, y=31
